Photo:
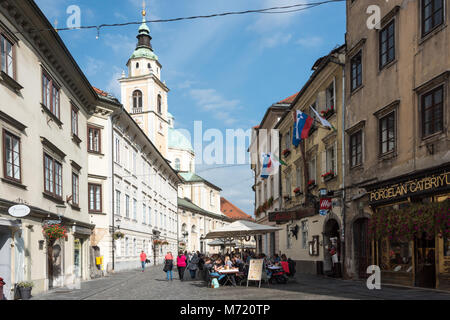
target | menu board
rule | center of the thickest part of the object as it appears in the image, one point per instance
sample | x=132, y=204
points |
x=255, y=269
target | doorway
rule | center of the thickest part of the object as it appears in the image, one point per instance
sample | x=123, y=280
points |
x=425, y=257
x=332, y=249
x=5, y=260
x=362, y=246
x=77, y=259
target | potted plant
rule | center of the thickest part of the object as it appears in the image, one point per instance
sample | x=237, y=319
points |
x=118, y=235
x=297, y=191
x=25, y=289
x=54, y=232
x=328, y=113
x=286, y=152
x=328, y=176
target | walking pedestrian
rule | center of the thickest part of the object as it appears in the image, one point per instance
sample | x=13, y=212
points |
x=168, y=265
x=143, y=260
x=181, y=264
x=193, y=265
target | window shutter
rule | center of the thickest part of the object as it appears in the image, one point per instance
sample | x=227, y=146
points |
x=321, y=101
x=334, y=93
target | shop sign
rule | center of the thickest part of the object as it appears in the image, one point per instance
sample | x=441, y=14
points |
x=325, y=206
x=432, y=183
x=285, y=216
x=19, y=211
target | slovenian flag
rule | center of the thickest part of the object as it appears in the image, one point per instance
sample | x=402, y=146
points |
x=295, y=140
x=304, y=124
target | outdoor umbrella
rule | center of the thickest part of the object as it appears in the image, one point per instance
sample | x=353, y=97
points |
x=222, y=243
x=240, y=229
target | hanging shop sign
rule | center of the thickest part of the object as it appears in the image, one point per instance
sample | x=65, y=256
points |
x=411, y=186
x=325, y=206
x=19, y=211
x=286, y=216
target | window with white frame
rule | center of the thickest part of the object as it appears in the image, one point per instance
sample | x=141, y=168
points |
x=144, y=213
x=127, y=206
x=117, y=150
x=299, y=176
x=305, y=234
x=134, y=209
x=117, y=199
x=331, y=159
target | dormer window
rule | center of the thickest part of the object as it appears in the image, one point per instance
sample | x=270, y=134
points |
x=149, y=66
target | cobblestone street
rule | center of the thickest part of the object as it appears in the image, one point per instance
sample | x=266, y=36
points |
x=152, y=285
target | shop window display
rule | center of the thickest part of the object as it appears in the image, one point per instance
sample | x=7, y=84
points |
x=400, y=256
x=446, y=247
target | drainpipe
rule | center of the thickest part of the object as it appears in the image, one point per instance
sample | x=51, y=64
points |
x=343, y=174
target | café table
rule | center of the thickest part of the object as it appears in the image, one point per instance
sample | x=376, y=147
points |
x=228, y=273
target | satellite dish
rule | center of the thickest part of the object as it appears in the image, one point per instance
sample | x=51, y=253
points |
x=19, y=211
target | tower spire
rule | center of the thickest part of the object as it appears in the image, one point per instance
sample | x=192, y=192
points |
x=144, y=12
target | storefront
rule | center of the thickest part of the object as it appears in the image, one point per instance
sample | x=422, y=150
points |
x=410, y=228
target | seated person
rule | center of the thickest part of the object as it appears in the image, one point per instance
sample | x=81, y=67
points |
x=276, y=259
x=285, y=264
x=218, y=265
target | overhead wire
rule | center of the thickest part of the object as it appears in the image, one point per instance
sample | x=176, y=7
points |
x=299, y=7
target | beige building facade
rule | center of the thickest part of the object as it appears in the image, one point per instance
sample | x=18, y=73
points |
x=45, y=104
x=397, y=93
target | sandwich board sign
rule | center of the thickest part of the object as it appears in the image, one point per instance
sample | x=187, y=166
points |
x=255, y=271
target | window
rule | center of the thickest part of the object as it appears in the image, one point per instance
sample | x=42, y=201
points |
x=52, y=177
x=95, y=197
x=432, y=15
x=356, y=71
x=137, y=65
x=134, y=209
x=432, y=111
x=330, y=97
x=288, y=238
x=159, y=104
x=75, y=189
x=387, y=44
x=50, y=95
x=356, y=149
x=117, y=199
x=7, y=56
x=312, y=169
x=287, y=185
x=211, y=198
x=134, y=163
x=304, y=235
x=331, y=160
x=387, y=133
x=117, y=150
x=11, y=157
x=144, y=213
x=287, y=140
x=177, y=164
x=127, y=206
x=137, y=101
x=446, y=247
x=74, y=117
x=94, y=140
x=149, y=215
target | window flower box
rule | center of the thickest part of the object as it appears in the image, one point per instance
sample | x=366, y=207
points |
x=297, y=192
x=328, y=113
x=286, y=152
x=328, y=176
x=311, y=184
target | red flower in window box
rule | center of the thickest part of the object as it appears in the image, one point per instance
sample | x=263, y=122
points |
x=297, y=191
x=286, y=152
x=328, y=113
x=328, y=174
x=311, y=182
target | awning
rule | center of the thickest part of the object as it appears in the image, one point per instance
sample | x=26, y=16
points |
x=241, y=229
x=286, y=216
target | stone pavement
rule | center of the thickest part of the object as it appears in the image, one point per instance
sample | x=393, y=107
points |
x=152, y=285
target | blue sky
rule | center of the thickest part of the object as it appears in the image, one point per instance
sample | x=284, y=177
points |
x=224, y=71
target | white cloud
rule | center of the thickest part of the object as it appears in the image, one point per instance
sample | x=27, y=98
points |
x=271, y=22
x=310, y=42
x=119, y=43
x=92, y=66
x=211, y=100
x=113, y=85
x=276, y=40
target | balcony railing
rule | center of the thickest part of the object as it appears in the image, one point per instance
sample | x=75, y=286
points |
x=136, y=110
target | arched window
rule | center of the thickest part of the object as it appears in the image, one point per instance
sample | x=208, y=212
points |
x=177, y=164
x=137, y=101
x=137, y=65
x=194, y=229
x=159, y=104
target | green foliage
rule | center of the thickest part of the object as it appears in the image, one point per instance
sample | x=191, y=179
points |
x=404, y=224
